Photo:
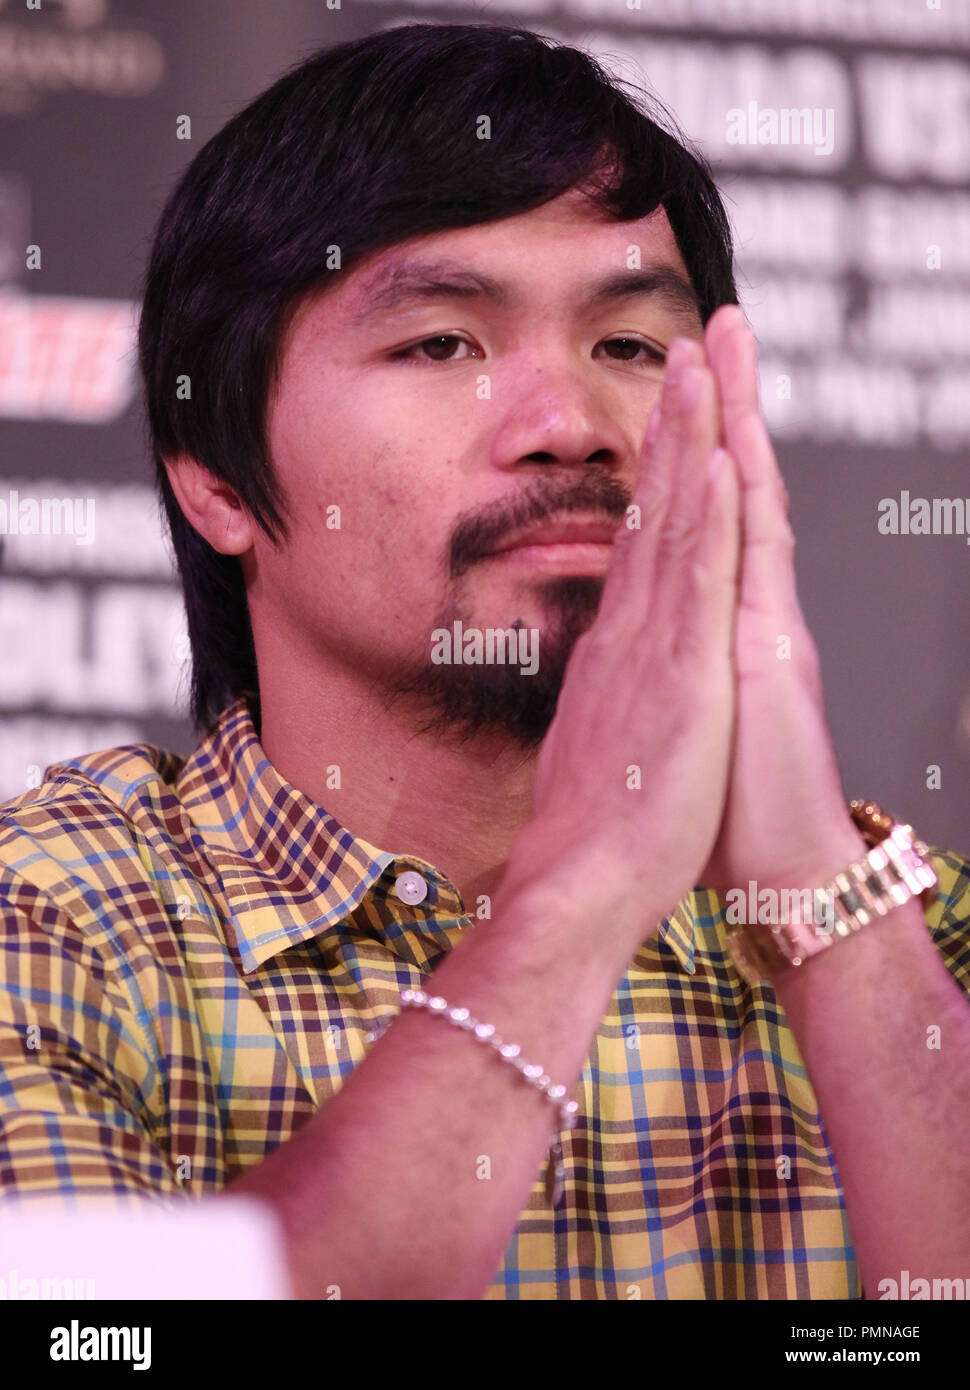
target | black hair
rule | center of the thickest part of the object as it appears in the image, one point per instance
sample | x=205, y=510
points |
x=362, y=145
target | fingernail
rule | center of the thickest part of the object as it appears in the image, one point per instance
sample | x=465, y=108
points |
x=653, y=425
x=733, y=311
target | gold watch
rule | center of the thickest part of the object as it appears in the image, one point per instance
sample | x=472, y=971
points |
x=895, y=869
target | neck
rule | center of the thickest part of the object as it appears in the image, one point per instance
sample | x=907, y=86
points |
x=457, y=805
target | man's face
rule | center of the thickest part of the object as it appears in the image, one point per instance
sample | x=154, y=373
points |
x=444, y=420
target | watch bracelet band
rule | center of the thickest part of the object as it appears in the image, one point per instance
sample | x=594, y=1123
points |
x=894, y=869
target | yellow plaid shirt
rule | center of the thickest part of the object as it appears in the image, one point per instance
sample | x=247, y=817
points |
x=193, y=956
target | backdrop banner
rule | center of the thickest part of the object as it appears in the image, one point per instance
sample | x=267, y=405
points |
x=839, y=133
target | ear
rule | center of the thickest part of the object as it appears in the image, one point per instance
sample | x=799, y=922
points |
x=210, y=505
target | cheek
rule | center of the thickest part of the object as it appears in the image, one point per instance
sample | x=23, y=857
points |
x=370, y=469
x=373, y=556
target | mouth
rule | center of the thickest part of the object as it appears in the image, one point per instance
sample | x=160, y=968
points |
x=567, y=532
x=560, y=546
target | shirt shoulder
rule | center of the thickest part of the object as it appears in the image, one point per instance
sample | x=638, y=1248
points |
x=88, y=860
x=948, y=918
x=95, y=822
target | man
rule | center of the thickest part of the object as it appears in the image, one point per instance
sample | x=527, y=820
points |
x=440, y=337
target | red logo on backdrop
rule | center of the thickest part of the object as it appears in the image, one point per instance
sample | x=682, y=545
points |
x=66, y=358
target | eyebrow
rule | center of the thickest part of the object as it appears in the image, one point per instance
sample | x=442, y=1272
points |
x=415, y=282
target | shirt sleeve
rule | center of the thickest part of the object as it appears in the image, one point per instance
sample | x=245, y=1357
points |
x=949, y=917
x=79, y=1086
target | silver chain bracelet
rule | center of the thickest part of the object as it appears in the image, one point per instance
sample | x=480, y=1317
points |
x=485, y=1032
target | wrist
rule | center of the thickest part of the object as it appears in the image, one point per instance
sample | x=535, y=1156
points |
x=887, y=868
x=544, y=863
x=820, y=859
x=588, y=882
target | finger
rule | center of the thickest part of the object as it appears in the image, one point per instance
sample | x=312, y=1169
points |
x=768, y=565
x=696, y=438
x=709, y=614
x=720, y=327
x=767, y=573
x=630, y=576
x=733, y=354
x=692, y=444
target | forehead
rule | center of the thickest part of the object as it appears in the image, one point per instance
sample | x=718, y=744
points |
x=545, y=254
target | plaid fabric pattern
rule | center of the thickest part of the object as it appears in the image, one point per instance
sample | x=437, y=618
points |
x=193, y=956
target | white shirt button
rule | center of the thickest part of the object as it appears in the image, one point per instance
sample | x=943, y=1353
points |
x=411, y=887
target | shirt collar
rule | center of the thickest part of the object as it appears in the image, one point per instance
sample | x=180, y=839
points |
x=290, y=871
x=678, y=932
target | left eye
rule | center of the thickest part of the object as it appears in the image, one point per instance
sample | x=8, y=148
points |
x=441, y=347
x=631, y=346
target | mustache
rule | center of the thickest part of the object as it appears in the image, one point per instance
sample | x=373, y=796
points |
x=476, y=536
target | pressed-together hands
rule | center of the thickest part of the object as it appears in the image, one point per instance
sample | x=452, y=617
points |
x=785, y=818
x=699, y=671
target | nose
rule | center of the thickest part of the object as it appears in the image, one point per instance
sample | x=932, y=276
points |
x=571, y=415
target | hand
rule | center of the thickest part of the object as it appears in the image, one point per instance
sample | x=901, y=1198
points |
x=786, y=823
x=650, y=683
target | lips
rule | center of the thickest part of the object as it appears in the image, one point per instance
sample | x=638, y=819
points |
x=565, y=531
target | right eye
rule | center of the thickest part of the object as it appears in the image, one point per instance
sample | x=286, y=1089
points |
x=438, y=346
